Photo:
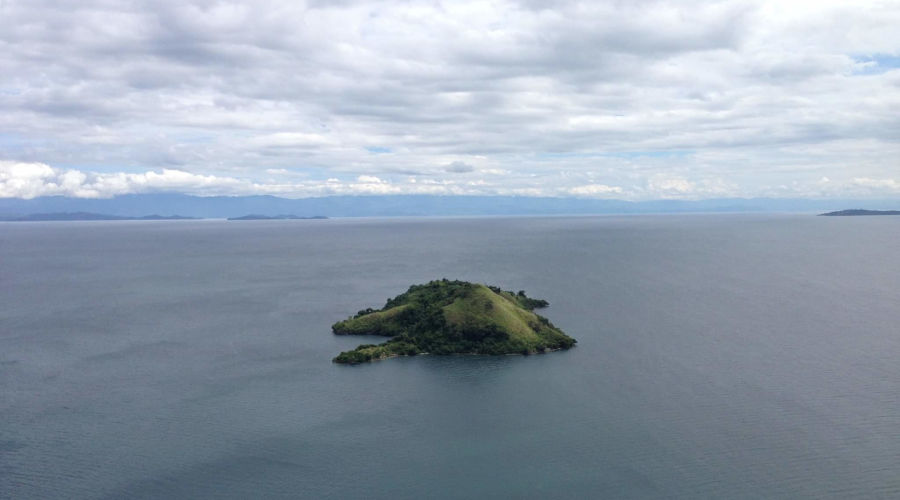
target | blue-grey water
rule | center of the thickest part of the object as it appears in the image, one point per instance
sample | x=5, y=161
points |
x=719, y=356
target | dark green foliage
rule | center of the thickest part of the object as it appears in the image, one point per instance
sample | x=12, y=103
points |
x=531, y=304
x=353, y=357
x=365, y=311
x=482, y=320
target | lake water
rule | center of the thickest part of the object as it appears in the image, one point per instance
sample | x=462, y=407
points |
x=738, y=356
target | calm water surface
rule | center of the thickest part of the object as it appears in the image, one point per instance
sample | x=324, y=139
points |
x=740, y=356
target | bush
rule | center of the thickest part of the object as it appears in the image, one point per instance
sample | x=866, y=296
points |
x=353, y=357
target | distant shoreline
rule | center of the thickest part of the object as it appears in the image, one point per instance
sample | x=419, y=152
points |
x=277, y=217
x=853, y=212
x=91, y=216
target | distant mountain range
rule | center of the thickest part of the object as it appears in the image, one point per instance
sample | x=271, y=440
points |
x=138, y=205
x=66, y=216
x=72, y=216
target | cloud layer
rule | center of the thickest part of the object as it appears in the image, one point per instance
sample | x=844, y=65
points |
x=31, y=180
x=603, y=99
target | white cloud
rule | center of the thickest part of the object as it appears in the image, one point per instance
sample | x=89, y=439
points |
x=883, y=185
x=669, y=186
x=30, y=180
x=593, y=190
x=684, y=99
x=25, y=180
x=665, y=185
x=369, y=179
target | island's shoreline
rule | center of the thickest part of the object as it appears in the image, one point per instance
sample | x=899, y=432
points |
x=530, y=353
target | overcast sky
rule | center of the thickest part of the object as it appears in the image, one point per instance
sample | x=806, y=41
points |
x=621, y=99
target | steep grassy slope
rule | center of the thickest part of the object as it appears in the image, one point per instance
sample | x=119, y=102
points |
x=453, y=317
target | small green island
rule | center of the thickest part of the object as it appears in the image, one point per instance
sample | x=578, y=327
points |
x=453, y=317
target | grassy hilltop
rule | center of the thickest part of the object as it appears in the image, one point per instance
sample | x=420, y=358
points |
x=453, y=317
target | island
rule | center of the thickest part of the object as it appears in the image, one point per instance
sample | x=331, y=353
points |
x=276, y=217
x=453, y=317
x=860, y=211
x=89, y=216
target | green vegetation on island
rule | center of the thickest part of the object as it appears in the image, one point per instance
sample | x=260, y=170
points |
x=453, y=317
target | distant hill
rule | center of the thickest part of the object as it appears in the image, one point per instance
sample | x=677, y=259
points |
x=136, y=205
x=65, y=216
x=860, y=211
x=276, y=217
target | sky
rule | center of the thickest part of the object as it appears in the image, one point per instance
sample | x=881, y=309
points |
x=632, y=100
